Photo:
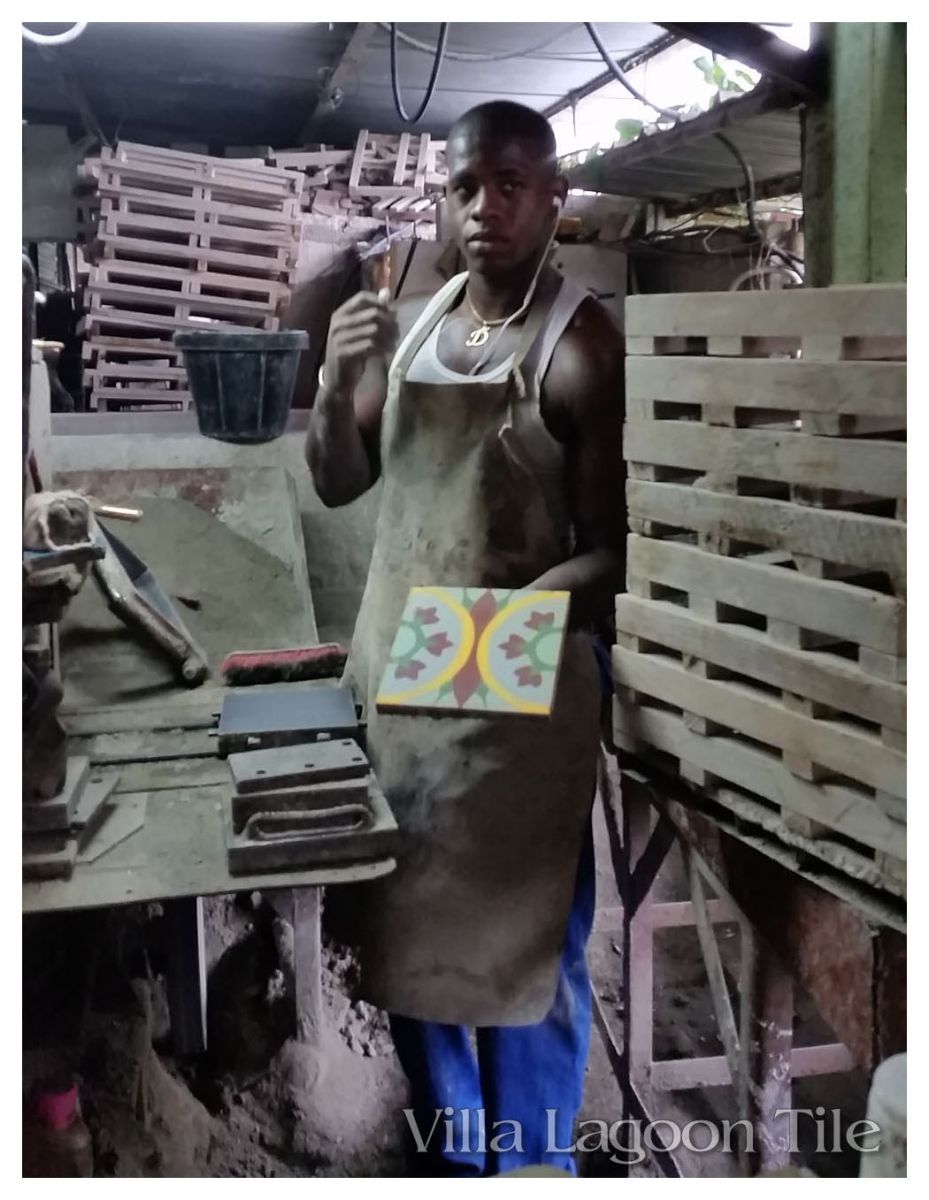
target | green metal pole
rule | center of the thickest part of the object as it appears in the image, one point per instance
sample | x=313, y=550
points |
x=854, y=158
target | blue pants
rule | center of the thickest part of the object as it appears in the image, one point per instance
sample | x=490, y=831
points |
x=519, y=1072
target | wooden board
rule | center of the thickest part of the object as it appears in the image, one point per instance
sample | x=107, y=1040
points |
x=795, y=385
x=875, y=467
x=840, y=746
x=218, y=174
x=162, y=154
x=131, y=249
x=132, y=296
x=192, y=223
x=848, y=613
x=824, y=678
x=186, y=281
x=850, y=813
x=218, y=212
x=869, y=543
x=106, y=317
x=866, y=311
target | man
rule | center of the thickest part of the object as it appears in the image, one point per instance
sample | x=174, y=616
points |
x=496, y=428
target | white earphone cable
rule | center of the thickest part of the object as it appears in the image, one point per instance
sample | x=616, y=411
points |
x=523, y=308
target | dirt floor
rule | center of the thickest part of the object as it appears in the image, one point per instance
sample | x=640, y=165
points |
x=262, y=1104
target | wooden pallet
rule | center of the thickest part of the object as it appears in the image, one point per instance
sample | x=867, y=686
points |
x=406, y=209
x=762, y=640
x=183, y=241
x=387, y=167
x=125, y=241
x=111, y=321
x=179, y=280
x=322, y=168
x=152, y=164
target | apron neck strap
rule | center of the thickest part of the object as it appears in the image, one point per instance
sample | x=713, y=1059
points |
x=443, y=301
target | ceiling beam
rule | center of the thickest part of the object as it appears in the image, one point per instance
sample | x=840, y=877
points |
x=346, y=69
x=570, y=99
x=803, y=71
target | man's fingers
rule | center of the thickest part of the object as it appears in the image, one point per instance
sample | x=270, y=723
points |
x=385, y=337
x=364, y=317
x=361, y=300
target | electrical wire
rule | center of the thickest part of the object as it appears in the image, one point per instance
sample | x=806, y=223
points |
x=762, y=273
x=433, y=78
x=749, y=181
x=620, y=75
x=675, y=117
x=480, y=56
x=55, y=39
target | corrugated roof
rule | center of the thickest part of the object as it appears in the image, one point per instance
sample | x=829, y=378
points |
x=689, y=161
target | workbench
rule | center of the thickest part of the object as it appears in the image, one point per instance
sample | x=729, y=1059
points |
x=164, y=839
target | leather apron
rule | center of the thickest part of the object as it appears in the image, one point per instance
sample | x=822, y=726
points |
x=470, y=927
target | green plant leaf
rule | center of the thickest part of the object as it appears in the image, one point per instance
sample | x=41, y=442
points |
x=746, y=77
x=629, y=129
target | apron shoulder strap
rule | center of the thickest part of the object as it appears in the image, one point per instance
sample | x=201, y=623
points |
x=424, y=323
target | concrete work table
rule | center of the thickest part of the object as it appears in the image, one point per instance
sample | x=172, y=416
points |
x=165, y=837
x=227, y=545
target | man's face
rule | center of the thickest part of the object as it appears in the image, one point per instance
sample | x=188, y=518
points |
x=500, y=201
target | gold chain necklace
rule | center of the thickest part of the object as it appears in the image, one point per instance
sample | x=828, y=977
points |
x=478, y=337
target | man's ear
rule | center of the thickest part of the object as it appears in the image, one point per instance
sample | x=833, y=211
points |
x=560, y=189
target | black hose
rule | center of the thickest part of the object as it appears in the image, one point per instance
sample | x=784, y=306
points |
x=620, y=75
x=433, y=78
x=733, y=149
x=749, y=182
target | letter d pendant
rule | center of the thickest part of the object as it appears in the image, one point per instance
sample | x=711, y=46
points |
x=478, y=337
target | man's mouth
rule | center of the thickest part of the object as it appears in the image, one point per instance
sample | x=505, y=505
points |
x=483, y=239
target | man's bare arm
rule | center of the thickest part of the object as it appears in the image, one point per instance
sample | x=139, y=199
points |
x=585, y=406
x=344, y=436
x=342, y=444
x=344, y=429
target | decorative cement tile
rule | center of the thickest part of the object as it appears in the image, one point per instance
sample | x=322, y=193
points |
x=476, y=650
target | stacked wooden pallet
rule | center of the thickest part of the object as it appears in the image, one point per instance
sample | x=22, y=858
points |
x=762, y=643
x=183, y=241
x=396, y=178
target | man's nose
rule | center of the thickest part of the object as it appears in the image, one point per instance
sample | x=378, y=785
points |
x=485, y=207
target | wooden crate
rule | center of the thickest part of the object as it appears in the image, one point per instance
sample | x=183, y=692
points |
x=386, y=167
x=762, y=643
x=183, y=240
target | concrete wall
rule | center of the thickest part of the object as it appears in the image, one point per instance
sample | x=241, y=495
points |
x=50, y=165
x=338, y=541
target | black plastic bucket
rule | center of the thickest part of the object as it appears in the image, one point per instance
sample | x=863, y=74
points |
x=242, y=383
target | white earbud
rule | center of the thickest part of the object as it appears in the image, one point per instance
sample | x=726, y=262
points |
x=557, y=204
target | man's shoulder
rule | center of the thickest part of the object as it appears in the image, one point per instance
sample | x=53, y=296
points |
x=594, y=328
x=589, y=356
